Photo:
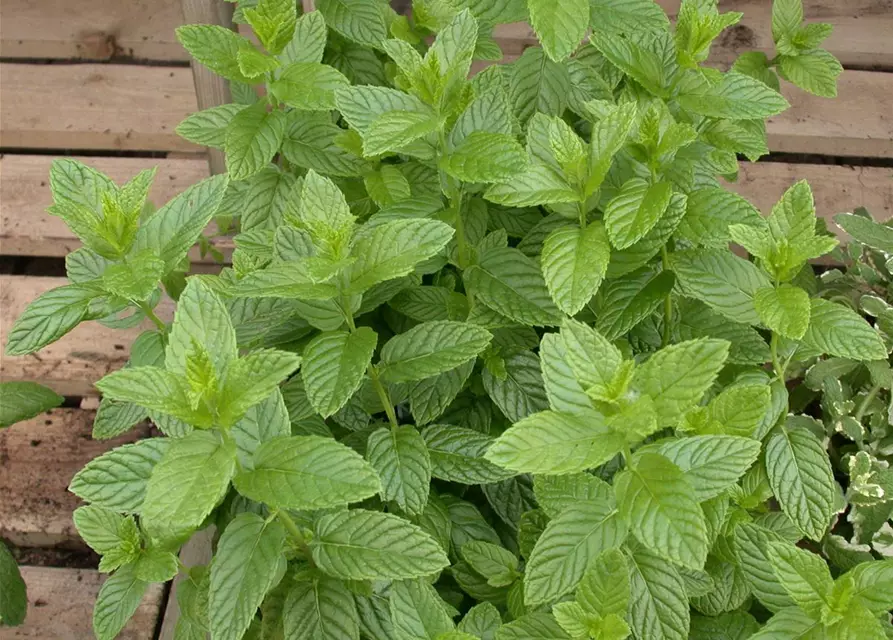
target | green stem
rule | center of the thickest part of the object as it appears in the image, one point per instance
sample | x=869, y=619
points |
x=776, y=363
x=145, y=308
x=384, y=396
x=627, y=455
x=581, y=207
x=348, y=316
x=668, y=301
x=863, y=407
x=291, y=527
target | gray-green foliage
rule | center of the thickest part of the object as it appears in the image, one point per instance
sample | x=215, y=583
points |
x=484, y=364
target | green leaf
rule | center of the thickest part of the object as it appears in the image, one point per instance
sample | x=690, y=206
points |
x=311, y=142
x=677, y=376
x=155, y=565
x=457, y=455
x=334, y=366
x=785, y=309
x=201, y=319
x=393, y=249
x=481, y=621
x=307, y=472
x=521, y=392
x=497, y=564
x=362, y=21
x=751, y=547
x=556, y=443
x=393, y=130
x=789, y=623
x=721, y=279
x=175, y=227
x=815, y=71
x=592, y=357
x=555, y=494
x=635, y=210
x=252, y=139
x=187, y=483
x=787, y=15
x=648, y=57
x=208, y=127
x=800, y=475
x=117, y=479
x=485, y=157
x=561, y=27
x=709, y=212
x=429, y=398
x=431, y=348
x=537, y=84
x=49, y=317
x=387, y=186
x=735, y=97
x=102, y=528
x=216, y=47
x=417, y=611
x=369, y=545
x=625, y=16
x=605, y=586
x=402, y=461
x=569, y=543
x=658, y=605
x=711, y=464
x=873, y=584
x=858, y=622
x=656, y=499
x=538, y=184
x=14, y=597
x=116, y=603
x=308, y=86
x=252, y=378
x=533, y=626
x=248, y=563
x=273, y=21
x=563, y=391
x=24, y=400
x=285, y=280
x=608, y=136
x=839, y=331
x=623, y=303
x=308, y=42
x=510, y=283
x=803, y=575
x=866, y=231
x=574, y=262
x=320, y=609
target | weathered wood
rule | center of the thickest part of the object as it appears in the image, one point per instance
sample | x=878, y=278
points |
x=197, y=551
x=75, y=362
x=210, y=89
x=861, y=37
x=26, y=229
x=40, y=456
x=95, y=106
x=60, y=606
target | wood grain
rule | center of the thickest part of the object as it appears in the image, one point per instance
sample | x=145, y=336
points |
x=60, y=606
x=95, y=106
x=40, y=457
x=76, y=361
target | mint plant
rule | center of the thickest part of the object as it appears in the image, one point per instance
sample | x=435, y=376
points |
x=484, y=364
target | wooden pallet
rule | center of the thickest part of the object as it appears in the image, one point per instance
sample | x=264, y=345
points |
x=98, y=99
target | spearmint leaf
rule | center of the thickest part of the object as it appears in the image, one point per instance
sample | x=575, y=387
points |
x=117, y=479
x=308, y=86
x=593, y=359
x=429, y=398
x=574, y=262
x=116, y=603
x=656, y=499
x=608, y=136
x=394, y=130
x=561, y=27
x=803, y=575
x=866, y=231
x=187, y=483
x=721, y=279
x=310, y=142
x=248, y=563
x=497, y=564
x=23, y=400
x=521, y=392
x=658, y=606
x=457, y=455
x=814, y=71
x=789, y=623
x=624, y=16
x=368, y=545
x=564, y=393
x=510, y=283
x=403, y=462
x=486, y=157
x=569, y=543
x=873, y=584
x=49, y=317
x=711, y=464
x=252, y=139
x=417, y=611
x=751, y=547
x=307, y=472
x=740, y=409
x=839, y=331
x=431, y=348
x=556, y=493
x=287, y=280
x=252, y=378
x=334, y=366
x=623, y=303
x=482, y=621
x=215, y=47
x=14, y=599
x=538, y=184
x=322, y=608
x=208, y=127
x=537, y=84
x=800, y=475
x=202, y=319
x=709, y=212
x=264, y=421
x=785, y=309
x=362, y=21
x=649, y=57
x=533, y=626
x=556, y=443
x=735, y=97
x=635, y=210
x=393, y=249
x=677, y=376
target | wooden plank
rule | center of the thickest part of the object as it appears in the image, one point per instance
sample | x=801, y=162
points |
x=197, y=551
x=60, y=606
x=74, y=363
x=95, y=106
x=40, y=456
x=27, y=230
x=861, y=37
